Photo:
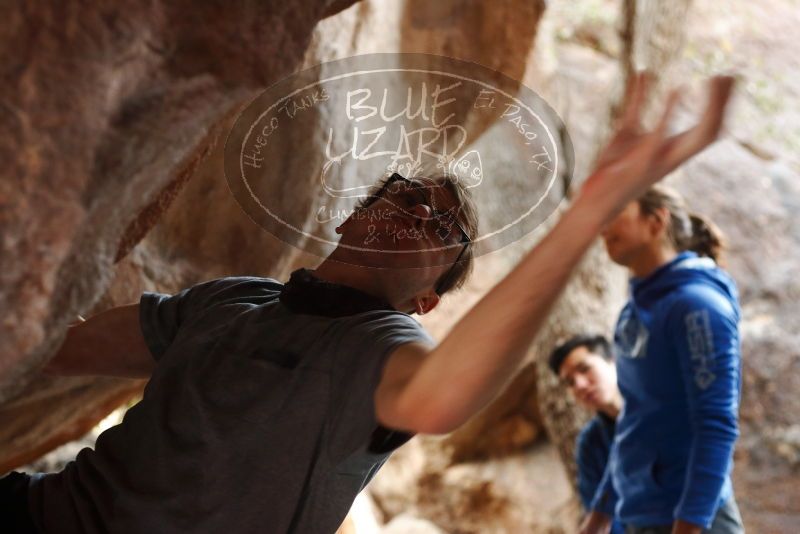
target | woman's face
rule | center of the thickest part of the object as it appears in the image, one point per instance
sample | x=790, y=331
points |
x=630, y=235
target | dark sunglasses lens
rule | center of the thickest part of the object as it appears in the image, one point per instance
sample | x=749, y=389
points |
x=449, y=232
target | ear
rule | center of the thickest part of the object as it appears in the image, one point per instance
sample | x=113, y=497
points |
x=425, y=302
x=659, y=220
x=341, y=226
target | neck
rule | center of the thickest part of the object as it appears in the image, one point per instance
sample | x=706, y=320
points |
x=349, y=275
x=648, y=262
x=370, y=280
x=613, y=408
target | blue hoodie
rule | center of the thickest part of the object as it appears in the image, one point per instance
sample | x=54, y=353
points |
x=679, y=371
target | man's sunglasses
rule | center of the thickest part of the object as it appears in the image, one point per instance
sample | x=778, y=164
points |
x=445, y=221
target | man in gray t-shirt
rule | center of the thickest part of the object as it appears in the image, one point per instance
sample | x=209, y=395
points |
x=255, y=419
x=270, y=406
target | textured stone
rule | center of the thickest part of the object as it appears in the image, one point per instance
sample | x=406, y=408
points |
x=107, y=111
x=406, y=524
x=522, y=492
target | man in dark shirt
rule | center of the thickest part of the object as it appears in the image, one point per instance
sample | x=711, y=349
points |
x=586, y=365
x=249, y=372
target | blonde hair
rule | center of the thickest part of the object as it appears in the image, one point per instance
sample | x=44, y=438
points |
x=685, y=230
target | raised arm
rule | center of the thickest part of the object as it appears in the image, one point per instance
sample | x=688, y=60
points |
x=110, y=344
x=435, y=391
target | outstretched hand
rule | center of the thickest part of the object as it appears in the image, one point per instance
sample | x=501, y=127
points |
x=635, y=159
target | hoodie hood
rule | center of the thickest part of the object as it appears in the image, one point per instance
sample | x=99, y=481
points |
x=686, y=268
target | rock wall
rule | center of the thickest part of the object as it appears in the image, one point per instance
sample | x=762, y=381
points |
x=108, y=109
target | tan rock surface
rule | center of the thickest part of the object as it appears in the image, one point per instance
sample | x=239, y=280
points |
x=107, y=111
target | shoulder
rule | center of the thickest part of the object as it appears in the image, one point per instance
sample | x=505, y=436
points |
x=592, y=448
x=232, y=287
x=210, y=294
x=386, y=324
x=697, y=297
x=590, y=437
x=233, y=283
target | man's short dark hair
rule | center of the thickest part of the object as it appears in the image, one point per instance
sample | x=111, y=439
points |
x=596, y=344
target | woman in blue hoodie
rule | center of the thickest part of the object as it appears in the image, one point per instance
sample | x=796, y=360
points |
x=679, y=372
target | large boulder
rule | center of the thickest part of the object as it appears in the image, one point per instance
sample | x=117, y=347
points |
x=108, y=111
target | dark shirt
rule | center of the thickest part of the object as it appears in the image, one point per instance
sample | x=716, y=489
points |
x=593, y=448
x=258, y=416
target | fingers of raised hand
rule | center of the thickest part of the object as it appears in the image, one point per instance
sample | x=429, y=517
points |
x=679, y=148
x=707, y=130
x=719, y=93
x=659, y=143
x=635, y=98
x=663, y=123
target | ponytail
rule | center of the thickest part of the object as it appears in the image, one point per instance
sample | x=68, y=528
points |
x=706, y=240
x=685, y=231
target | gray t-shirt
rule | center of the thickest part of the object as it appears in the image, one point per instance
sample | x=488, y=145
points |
x=256, y=419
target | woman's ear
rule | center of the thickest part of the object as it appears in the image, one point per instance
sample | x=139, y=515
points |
x=659, y=221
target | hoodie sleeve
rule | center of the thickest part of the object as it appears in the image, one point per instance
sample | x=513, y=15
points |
x=605, y=499
x=703, y=325
x=591, y=458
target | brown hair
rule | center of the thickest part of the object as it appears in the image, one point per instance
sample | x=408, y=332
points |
x=457, y=276
x=685, y=230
